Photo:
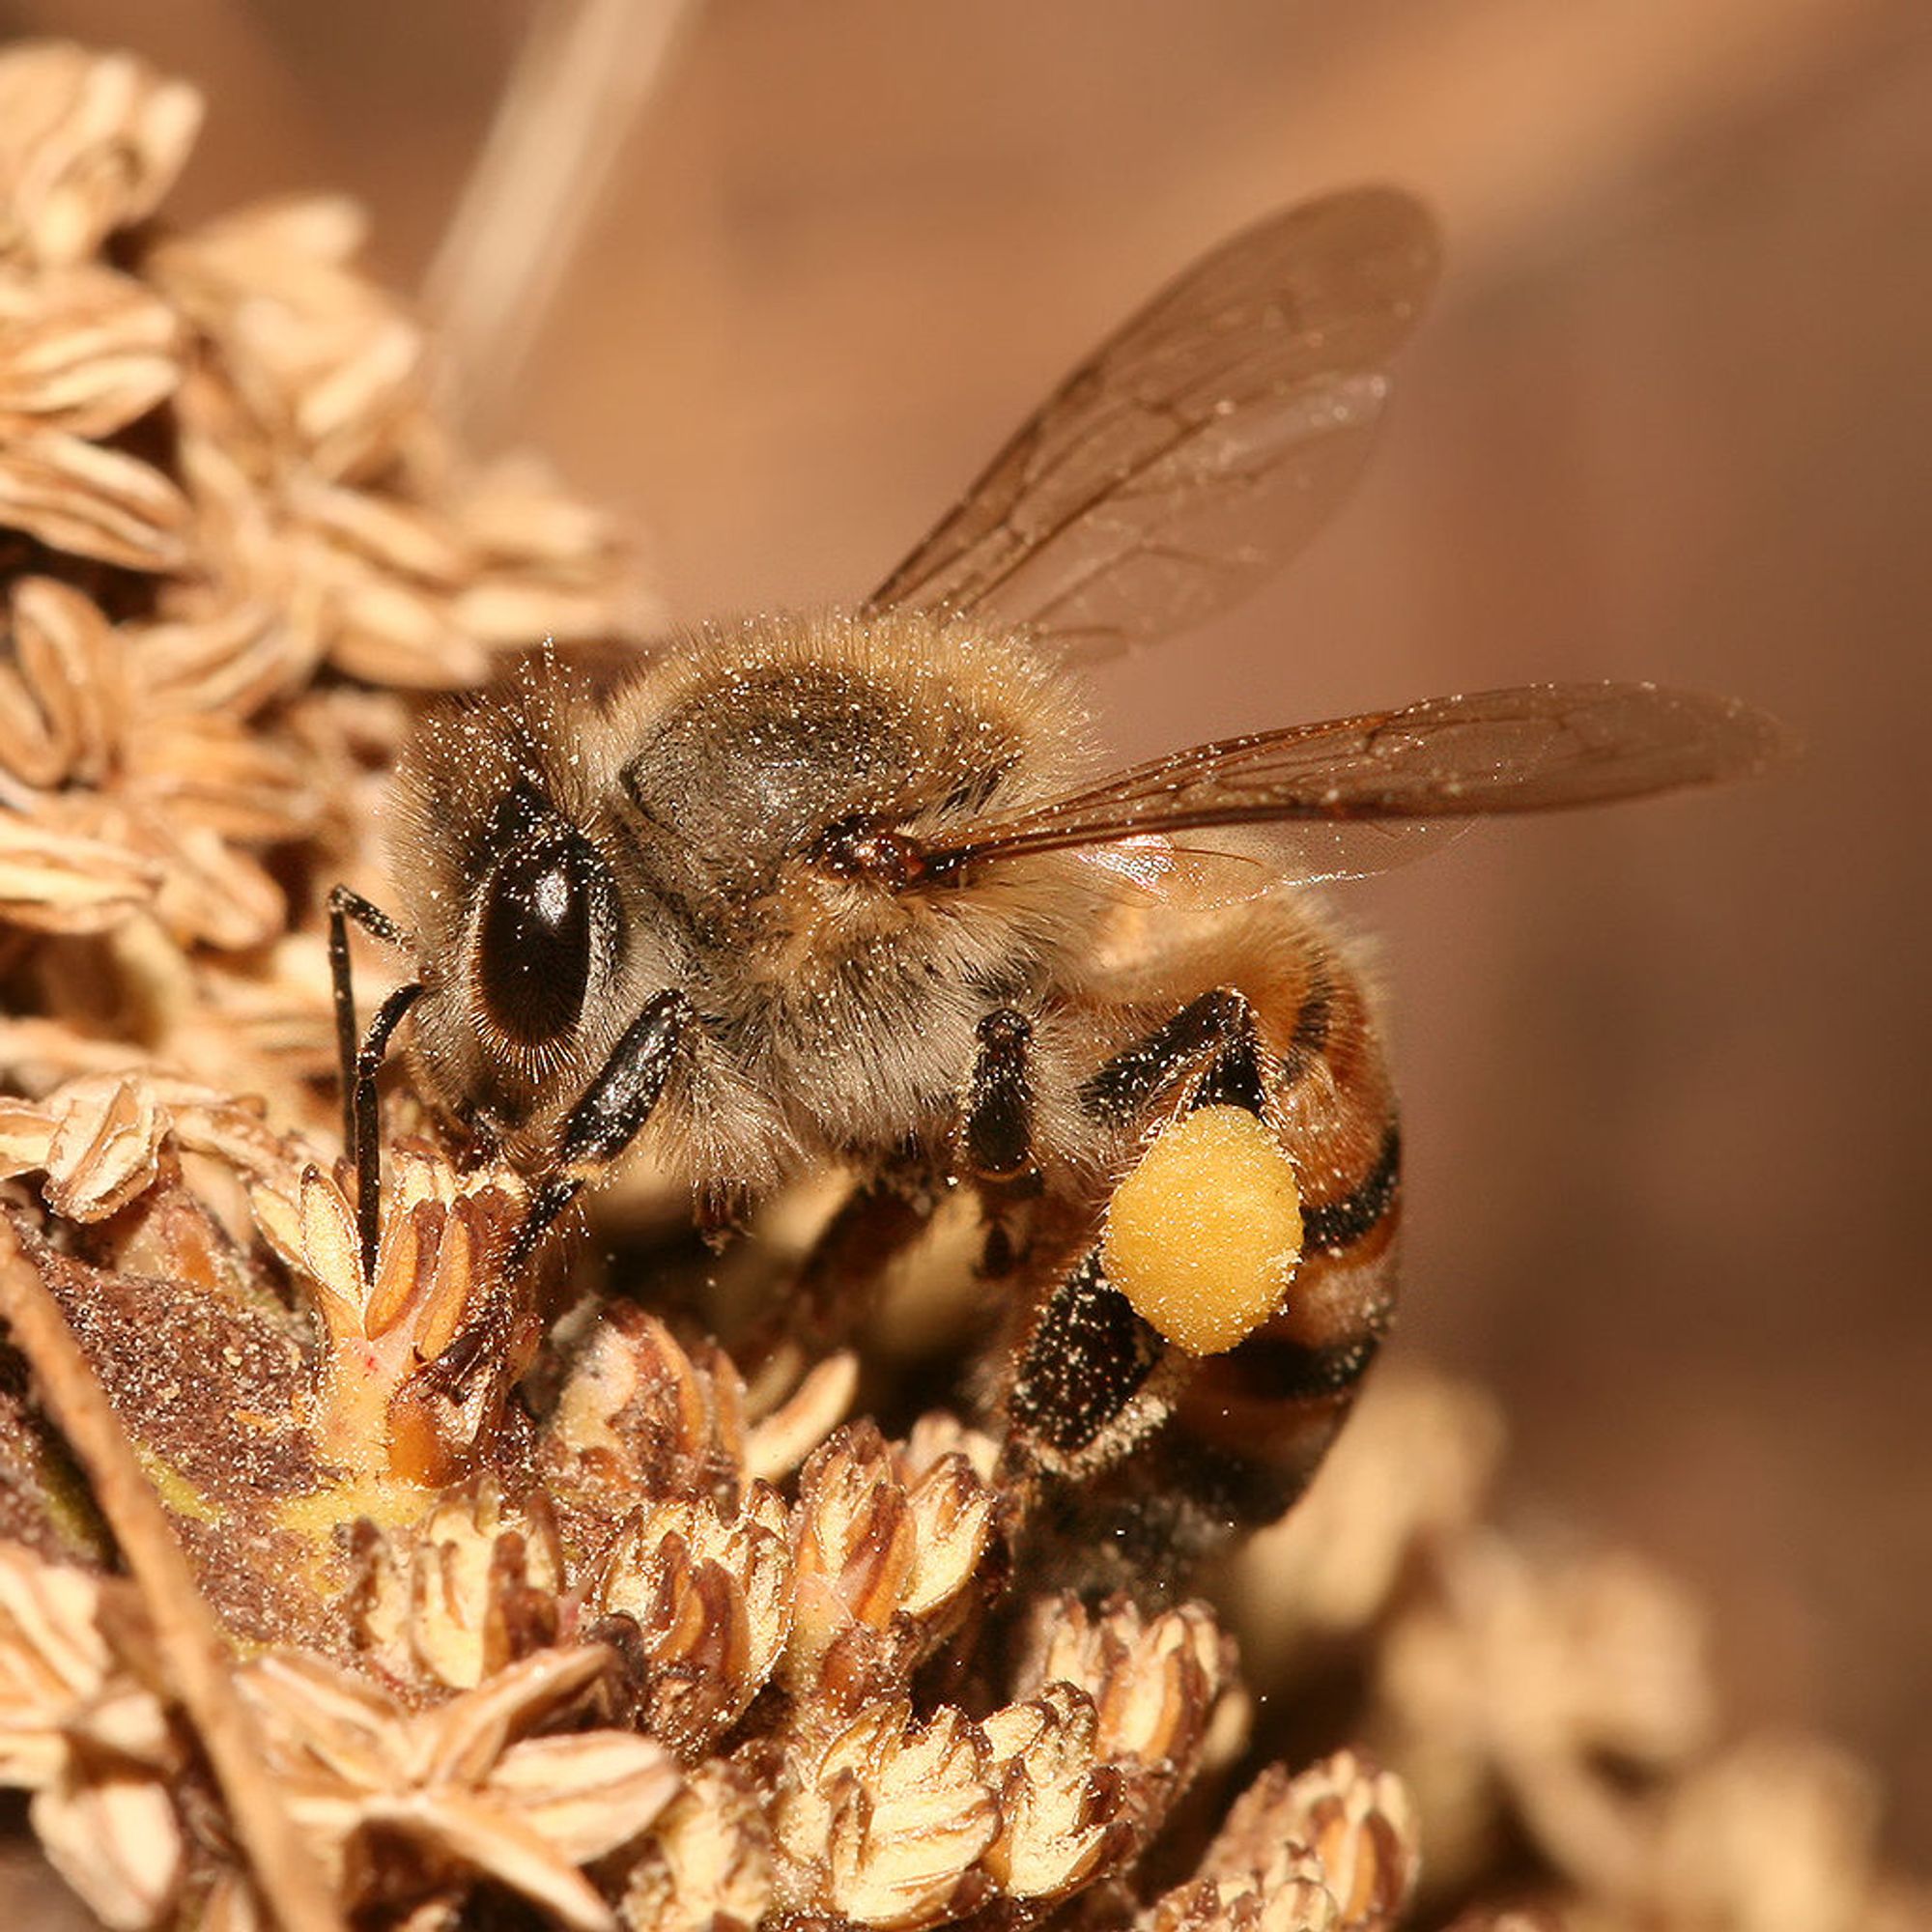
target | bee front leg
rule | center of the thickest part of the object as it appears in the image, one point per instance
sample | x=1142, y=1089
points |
x=611, y=1115
x=360, y=1062
x=601, y=1126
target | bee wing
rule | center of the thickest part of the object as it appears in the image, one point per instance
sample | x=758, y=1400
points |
x=1198, y=448
x=1359, y=795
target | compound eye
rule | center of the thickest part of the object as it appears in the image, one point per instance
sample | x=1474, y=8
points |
x=533, y=949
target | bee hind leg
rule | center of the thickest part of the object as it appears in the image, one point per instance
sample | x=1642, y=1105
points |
x=1213, y=1037
x=1103, y=1408
x=1090, y=1357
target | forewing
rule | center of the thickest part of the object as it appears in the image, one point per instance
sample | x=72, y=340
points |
x=1200, y=447
x=1359, y=795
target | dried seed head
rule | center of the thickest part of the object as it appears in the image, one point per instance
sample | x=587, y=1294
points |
x=93, y=1746
x=461, y=1786
x=1066, y=1814
x=90, y=144
x=1412, y=1470
x=453, y=1599
x=886, y=1822
x=1154, y=1681
x=1776, y=1833
x=706, y=1865
x=638, y=1415
x=1356, y=1824
x=68, y=880
x=876, y=1555
x=710, y=1599
x=436, y=1262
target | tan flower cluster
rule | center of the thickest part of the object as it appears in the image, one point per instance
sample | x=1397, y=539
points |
x=1558, y=1698
x=592, y=1633
x=642, y=1667
x=223, y=494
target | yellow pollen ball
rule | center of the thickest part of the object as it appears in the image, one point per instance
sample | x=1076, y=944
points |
x=1203, y=1235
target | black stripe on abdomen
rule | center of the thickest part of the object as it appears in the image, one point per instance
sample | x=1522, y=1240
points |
x=1330, y=1226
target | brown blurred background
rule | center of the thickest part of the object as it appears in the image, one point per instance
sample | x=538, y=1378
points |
x=1666, y=1069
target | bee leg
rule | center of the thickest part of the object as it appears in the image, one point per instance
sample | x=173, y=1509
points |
x=1146, y=1455
x=996, y=1133
x=994, y=1142
x=1213, y=1037
x=360, y=1062
x=601, y=1125
x=823, y=1306
x=1090, y=1355
x=611, y=1115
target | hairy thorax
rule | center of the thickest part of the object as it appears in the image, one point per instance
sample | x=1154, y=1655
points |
x=737, y=803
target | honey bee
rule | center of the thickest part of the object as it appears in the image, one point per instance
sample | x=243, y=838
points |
x=852, y=888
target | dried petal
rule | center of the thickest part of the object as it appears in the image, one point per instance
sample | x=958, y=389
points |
x=88, y=144
x=77, y=496
x=83, y=350
x=451, y=1826
x=112, y=1835
x=782, y=1440
x=586, y=1793
x=67, y=882
x=105, y=1148
x=472, y=1731
x=59, y=700
x=233, y=660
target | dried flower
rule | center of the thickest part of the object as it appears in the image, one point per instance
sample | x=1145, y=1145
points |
x=436, y=1263
x=90, y=1743
x=706, y=1865
x=460, y=1784
x=1330, y=1851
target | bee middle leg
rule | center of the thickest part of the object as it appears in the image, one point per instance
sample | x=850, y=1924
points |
x=824, y=1304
